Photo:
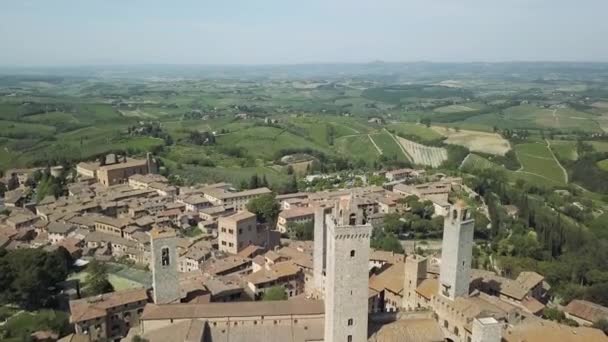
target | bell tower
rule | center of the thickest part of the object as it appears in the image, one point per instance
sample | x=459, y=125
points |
x=456, y=252
x=165, y=280
x=346, y=283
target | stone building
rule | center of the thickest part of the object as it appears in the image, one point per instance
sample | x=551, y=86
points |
x=163, y=244
x=456, y=252
x=109, y=316
x=237, y=231
x=346, y=283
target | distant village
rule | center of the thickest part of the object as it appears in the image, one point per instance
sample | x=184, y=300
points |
x=213, y=286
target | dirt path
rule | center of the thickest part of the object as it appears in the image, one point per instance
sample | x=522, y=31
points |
x=374, y=143
x=557, y=161
x=555, y=118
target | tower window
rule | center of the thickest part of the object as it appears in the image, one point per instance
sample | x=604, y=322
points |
x=164, y=256
x=349, y=338
x=352, y=253
x=350, y=321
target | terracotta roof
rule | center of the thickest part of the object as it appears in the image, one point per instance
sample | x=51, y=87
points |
x=233, y=309
x=428, y=288
x=94, y=307
x=586, y=310
x=547, y=331
x=250, y=250
x=532, y=305
x=296, y=212
x=529, y=279
x=239, y=216
x=392, y=279
x=273, y=273
x=411, y=330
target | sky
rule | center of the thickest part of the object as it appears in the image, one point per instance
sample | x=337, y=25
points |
x=112, y=32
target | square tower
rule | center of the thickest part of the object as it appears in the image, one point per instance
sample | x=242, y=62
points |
x=346, y=281
x=415, y=272
x=319, y=245
x=163, y=244
x=456, y=252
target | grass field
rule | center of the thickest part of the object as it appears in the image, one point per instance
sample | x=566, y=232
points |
x=409, y=129
x=388, y=145
x=469, y=107
x=536, y=159
x=119, y=283
x=599, y=146
x=475, y=141
x=603, y=164
x=564, y=149
x=357, y=146
x=475, y=162
x=265, y=142
x=27, y=322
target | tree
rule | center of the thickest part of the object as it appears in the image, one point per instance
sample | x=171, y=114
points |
x=97, y=279
x=254, y=182
x=291, y=186
x=289, y=170
x=276, y=292
x=393, y=223
x=266, y=208
x=301, y=231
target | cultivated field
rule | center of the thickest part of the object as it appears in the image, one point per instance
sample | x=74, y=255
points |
x=417, y=130
x=388, y=145
x=424, y=155
x=536, y=159
x=599, y=146
x=476, y=141
x=603, y=164
x=564, y=149
x=455, y=109
x=358, y=146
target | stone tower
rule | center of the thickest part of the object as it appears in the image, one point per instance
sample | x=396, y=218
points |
x=163, y=244
x=456, y=252
x=486, y=329
x=321, y=211
x=346, y=281
x=415, y=273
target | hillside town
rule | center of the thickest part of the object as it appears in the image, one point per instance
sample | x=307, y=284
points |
x=222, y=264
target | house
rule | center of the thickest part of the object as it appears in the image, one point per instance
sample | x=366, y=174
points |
x=297, y=215
x=285, y=274
x=59, y=231
x=239, y=230
x=585, y=312
x=108, y=316
x=233, y=199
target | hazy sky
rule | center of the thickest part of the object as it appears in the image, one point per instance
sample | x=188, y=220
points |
x=65, y=32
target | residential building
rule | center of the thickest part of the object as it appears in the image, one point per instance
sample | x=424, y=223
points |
x=108, y=316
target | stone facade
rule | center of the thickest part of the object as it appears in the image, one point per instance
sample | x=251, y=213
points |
x=164, y=266
x=415, y=273
x=346, y=284
x=456, y=252
x=486, y=330
x=319, y=248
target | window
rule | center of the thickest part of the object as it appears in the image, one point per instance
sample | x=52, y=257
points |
x=164, y=256
x=223, y=243
x=352, y=253
x=349, y=338
x=240, y=231
x=350, y=321
x=445, y=324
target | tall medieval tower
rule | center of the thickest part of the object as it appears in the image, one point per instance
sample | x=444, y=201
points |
x=415, y=272
x=456, y=252
x=346, y=281
x=321, y=211
x=164, y=266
